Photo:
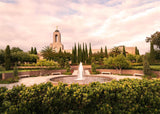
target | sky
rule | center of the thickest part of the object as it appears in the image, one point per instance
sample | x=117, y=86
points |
x=31, y=23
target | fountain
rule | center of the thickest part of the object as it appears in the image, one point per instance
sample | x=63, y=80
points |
x=80, y=72
x=80, y=77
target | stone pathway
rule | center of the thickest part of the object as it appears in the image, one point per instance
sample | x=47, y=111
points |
x=43, y=79
x=29, y=81
x=117, y=77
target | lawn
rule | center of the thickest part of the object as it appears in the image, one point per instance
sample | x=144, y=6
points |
x=11, y=71
x=153, y=67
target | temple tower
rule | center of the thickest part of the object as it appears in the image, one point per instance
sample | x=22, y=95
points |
x=57, y=41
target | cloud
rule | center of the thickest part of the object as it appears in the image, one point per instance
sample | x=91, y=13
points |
x=30, y=23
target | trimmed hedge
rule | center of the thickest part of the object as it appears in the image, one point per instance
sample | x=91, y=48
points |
x=124, y=96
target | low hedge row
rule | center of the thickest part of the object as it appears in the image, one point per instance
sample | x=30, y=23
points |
x=124, y=96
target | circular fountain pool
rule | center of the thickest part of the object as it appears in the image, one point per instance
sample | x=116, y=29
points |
x=85, y=80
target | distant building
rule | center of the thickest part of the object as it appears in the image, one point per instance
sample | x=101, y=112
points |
x=56, y=45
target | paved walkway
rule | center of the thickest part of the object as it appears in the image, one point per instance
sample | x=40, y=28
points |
x=28, y=81
x=43, y=79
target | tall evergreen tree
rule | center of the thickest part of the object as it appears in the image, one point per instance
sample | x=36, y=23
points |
x=90, y=50
x=106, y=53
x=75, y=53
x=73, y=56
x=86, y=53
x=101, y=50
x=78, y=52
x=136, y=51
x=31, y=50
x=101, y=53
x=90, y=54
x=7, y=58
x=124, y=51
x=83, y=54
x=101, y=56
x=35, y=51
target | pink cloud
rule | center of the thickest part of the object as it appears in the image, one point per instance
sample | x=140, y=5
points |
x=30, y=23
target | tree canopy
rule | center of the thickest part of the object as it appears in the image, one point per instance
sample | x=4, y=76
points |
x=119, y=62
x=60, y=57
x=115, y=51
x=155, y=39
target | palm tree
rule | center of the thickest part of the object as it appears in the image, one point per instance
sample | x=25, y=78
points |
x=115, y=51
x=155, y=39
x=47, y=53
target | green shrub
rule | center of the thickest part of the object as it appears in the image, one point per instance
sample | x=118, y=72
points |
x=124, y=96
x=97, y=72
x=136, y=64
x=67, y=66
x=152, y=75
x=15, y=71
x=9, y=80
x=93, y=67
x=68, y=73
x=2, y=96
x=146, y=66
x=2, y=68
x=131, y=58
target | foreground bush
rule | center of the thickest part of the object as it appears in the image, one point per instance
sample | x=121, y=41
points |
x=124, y=96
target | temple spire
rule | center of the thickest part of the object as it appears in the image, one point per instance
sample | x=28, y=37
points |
x=56, y=27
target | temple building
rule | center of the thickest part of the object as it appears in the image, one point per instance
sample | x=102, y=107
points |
x=57, y=45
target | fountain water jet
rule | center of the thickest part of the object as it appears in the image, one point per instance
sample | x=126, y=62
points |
x=80, y=72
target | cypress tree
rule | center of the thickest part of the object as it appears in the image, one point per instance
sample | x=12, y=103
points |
x=80, y=53
x=32, y=50
x=101, y=50
x=90, y=54
x=83, y=54
x=101, y=56
x=75, y=53
x=90, y=50
x=101, y=53
x=86, y=52
x=124, y=51
x=7, y=58
x=106, y=53
x=35, y=51
x=136, y=51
